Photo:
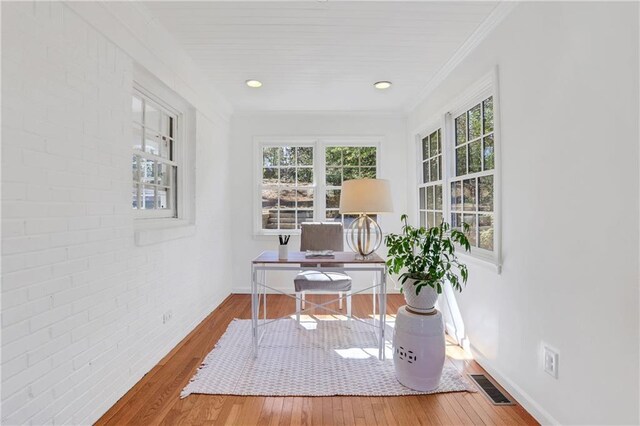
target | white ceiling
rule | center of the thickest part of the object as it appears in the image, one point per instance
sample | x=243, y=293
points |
x=321, y=55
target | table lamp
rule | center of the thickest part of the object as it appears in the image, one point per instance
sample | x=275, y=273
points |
x=364, y=197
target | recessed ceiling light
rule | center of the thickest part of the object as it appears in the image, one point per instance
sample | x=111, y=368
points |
x=382, y=85
x=253, y=83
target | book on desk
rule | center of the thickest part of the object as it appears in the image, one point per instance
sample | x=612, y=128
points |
x=319, y=254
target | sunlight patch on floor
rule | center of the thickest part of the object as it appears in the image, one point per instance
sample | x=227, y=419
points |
x=390, y=320
x=364, y=353
x=307, y=321
x=356, y=353
x=331, y=317
x=456, y=352
x=310, y=322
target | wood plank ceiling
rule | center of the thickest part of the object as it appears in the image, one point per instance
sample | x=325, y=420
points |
x=320, y=55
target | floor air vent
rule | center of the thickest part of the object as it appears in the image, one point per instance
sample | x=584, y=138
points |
x=490, y=390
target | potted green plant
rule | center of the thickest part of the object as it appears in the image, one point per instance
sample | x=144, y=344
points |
x=428, y=259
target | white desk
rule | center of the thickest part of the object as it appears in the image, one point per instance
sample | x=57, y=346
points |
x=341, y=262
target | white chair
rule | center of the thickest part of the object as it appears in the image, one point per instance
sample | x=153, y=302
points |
x=321, y=236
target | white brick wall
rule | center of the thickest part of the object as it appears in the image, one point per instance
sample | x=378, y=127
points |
x=81, y=304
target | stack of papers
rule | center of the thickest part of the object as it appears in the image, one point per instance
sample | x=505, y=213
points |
x=319, y=253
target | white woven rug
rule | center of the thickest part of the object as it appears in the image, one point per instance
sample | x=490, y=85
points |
x=326, y=359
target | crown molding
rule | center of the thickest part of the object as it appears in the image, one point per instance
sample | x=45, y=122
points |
x=496, y=16
x=346, y=113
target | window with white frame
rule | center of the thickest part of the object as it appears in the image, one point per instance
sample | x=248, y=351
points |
x=430, y=188
x=155, y=160
x=346, y=163
x=457, y=179
x=287, y=189
x=300, y=182
x=472, y=185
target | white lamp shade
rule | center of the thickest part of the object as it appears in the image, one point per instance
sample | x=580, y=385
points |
x=366, y=196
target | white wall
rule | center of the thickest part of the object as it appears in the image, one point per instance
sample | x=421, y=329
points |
x=246, y=126
x=81, y=304
x=569, y=96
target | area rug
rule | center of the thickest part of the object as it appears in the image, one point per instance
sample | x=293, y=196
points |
x=319, y=358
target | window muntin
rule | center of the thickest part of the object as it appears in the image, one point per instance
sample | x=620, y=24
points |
x=315, y=178
x=432, y=157
x=345, y=163
x=154, y=166
x=287, y=186
x=463, y=187
x=472, y=187
x=430, y=190
x=474, y=150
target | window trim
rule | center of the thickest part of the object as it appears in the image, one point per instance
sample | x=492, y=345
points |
x=476, y=93
x=147, y=85
x=433, y=126
x=319, y=143
x=173, y=213
x=302, y=142
x=341, y=142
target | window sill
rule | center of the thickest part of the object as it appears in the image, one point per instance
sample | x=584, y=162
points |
x=264, y=232
x=480, y=259
x=154, y=231
x=265, y=235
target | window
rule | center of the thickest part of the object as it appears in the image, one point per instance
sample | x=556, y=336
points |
x=154, y=161
x=457, y=175
x=430, y=190
x=301, y=181
x=472, y=188
x=345, y=163
x=287, y=186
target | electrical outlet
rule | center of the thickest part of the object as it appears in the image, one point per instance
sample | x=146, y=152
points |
x=166, y=317
x=550, y=361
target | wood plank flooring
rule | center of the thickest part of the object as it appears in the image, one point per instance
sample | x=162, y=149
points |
x=155, y=400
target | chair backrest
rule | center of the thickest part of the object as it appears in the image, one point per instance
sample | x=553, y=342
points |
x=321, y=236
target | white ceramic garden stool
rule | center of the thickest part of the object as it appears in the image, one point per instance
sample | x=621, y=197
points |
x=418, y=349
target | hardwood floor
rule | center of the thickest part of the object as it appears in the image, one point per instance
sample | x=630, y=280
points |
x=155, y=399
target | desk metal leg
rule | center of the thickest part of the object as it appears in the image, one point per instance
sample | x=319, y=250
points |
x=259, y=279
x=380, y=329
x=383, y=311
x=264, y=295
x=373, y=301
x=254, y=310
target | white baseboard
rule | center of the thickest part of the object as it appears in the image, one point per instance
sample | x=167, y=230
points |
x=131, y=380
x=451, y=331
x=524, y=399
